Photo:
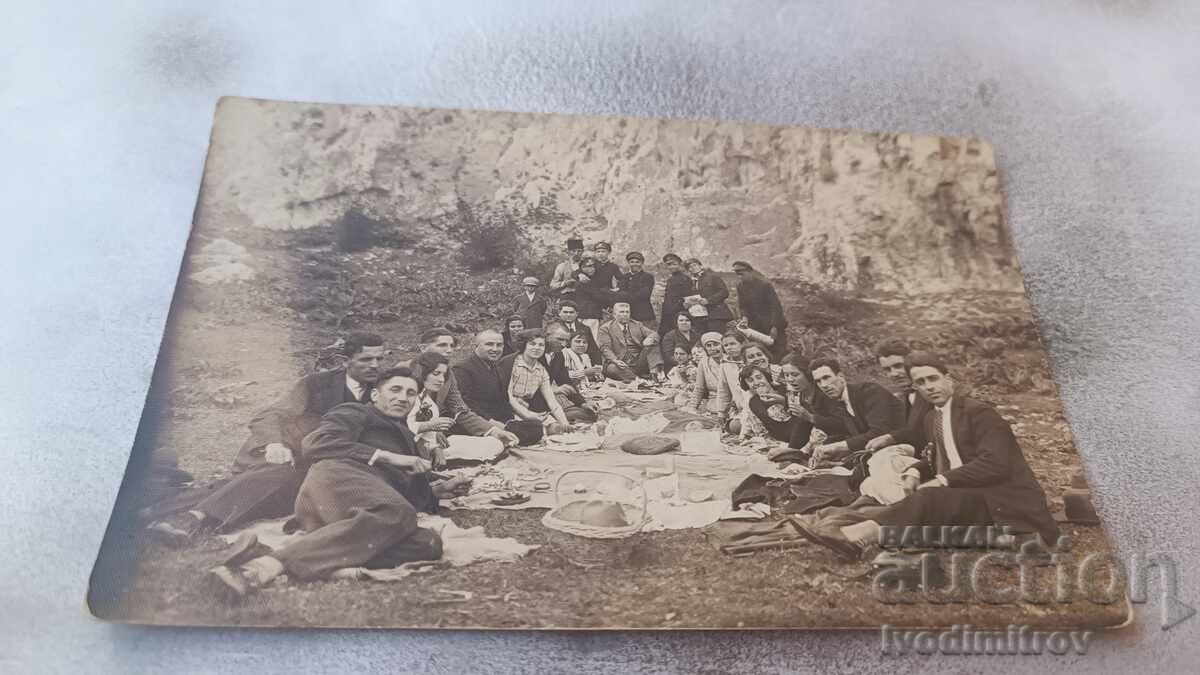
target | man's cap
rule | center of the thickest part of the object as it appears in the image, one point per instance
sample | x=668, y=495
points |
x=529, y=281
x=574, y=244
x=689, y=262
x=602, y=246
x=711, y=336
x=671, y=256
x=586, y=257
x=634, y=255
x=742, y=264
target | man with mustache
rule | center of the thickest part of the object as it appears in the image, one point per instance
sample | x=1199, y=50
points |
x=269, y=473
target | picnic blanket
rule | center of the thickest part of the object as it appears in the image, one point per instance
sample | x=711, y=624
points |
x=460, y=547
x=690, y=488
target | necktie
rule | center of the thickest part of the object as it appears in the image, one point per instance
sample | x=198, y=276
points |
x=939, y=441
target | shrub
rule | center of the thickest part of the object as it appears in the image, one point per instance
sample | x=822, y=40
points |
x=491, y=237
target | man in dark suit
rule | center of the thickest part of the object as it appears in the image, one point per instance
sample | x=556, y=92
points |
x=678, y=287
x=449, y=399
x=855, y=413
x=360, y=500
x=483, y=389
x=568, y=315
x=712, y=289
x=760, y=306
x=976, y=474
x=531, y=304
x=891, y=355
x=268, y=472
x=638, y=285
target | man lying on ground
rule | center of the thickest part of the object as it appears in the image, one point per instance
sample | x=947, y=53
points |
x=630, y=348
x=270, y=474
x=359, y=503
x=977, y=474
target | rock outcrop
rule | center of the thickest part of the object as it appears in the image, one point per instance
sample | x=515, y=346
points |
x=844, y=209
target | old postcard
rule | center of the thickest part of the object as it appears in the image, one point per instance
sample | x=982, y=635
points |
x=445, y=368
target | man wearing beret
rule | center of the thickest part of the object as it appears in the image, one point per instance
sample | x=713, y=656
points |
x=679, y=286
x=636, y=285
x=531, y=304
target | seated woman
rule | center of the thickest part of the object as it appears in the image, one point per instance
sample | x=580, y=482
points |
x=512, y=325
x=430, y=370
x=579, y=363
x=680, y=336
x=529, y=377
x=682, y=377
x=771, y=408
x=755, y=354
x=710, y=392
x=741, y=421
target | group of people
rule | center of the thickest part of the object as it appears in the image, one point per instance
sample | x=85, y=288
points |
x=354, y=453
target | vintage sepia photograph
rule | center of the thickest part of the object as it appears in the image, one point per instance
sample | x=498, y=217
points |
x=466, y=369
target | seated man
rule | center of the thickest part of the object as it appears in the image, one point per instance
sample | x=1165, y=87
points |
x=979, y=474
x=854, y=412
x=629, y=348
x=269, y=472
x=483, y=389
x=359, y=502
x=458, y=418
x=568, y=315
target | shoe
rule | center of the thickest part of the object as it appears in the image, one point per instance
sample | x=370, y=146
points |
x=244, y=549
x=230, y=582
x=829, y=537
x=178, y=531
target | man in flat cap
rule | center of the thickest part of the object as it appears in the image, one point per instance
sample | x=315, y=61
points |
x=566, y=269
x=531, y=304
x=636, y=285
x=679, y=286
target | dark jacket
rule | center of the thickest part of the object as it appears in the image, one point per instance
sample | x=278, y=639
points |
x=294, y=416
x=913, y=431
x=593, y=347
x=591, y=295
x=450, y=404
x=760, y=306
x=483, y=390
x=353, y=432
x=712, y=288
x=638, y=288
x=534, y=312
x=675, y=339
x=876, y=412
x=992, y=462
x=679, y=286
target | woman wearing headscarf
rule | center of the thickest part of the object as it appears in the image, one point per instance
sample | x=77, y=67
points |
x=711, y=393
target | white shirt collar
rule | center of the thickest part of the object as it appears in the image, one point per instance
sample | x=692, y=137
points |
x=846, y=399
x=355, y=387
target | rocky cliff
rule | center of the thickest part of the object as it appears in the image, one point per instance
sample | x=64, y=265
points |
x=849, y=210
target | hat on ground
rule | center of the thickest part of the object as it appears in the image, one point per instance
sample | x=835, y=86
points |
x=574, y=244
x=672, y=257
x=634, y=255
x=602, y=246
x=529, y=281
x=711, y=336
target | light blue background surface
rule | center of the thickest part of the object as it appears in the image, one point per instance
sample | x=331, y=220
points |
x=105, y=110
